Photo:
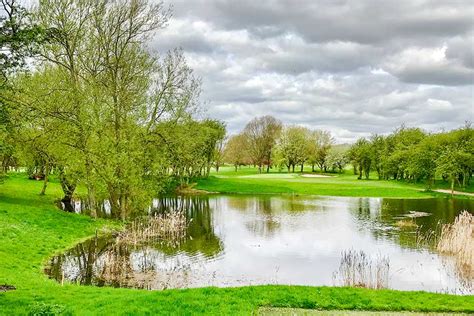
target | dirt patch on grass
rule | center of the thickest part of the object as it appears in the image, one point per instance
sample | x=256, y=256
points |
x=455, y=192
x=309, y=175
x=188, y=189
x=6, y=287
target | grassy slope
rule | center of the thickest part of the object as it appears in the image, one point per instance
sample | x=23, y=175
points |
x=247, y=180
x=32, y=229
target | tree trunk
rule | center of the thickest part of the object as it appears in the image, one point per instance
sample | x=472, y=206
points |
x=45, y=180
x=302, y=166
x=68, y=190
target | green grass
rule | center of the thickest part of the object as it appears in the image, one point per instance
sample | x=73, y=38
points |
x=32, y=230
x=248, y=180
x=294, y=312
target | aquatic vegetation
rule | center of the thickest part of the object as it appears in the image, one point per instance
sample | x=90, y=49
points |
x=406, y=223
x=357, y=269
x=457, y=240
x=169, y=228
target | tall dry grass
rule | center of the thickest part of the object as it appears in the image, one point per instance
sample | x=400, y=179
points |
x=168, y=228
x=457, y=240
x=357, y=269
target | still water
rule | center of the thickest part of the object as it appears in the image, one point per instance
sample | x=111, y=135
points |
x=250, y=240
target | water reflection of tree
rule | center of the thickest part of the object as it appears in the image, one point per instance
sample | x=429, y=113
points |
x=103, y=261
x=200, y=236
x=267, y=211
x=79, y=264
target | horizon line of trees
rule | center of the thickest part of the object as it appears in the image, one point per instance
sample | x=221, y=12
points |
x=409, y=154
x=414, y=155
x=266, y=142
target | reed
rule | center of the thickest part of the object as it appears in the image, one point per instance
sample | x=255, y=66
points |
x=168, y=228
x=357, y=269
x=457, y=240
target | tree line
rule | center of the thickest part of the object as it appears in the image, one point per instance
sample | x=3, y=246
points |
x=265, y=143
x=409, y=154
x=96, y=105
x=414, y=155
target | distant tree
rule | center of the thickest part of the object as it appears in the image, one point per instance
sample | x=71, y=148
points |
x=236, y=151
x=337, y=159
x=323, y=142
x=378, y=148
x=292, y=147
x=361, y=156
x=449, y=165
x=214, y=143
x=397, y=147
x=421, y=162
x=219, y=153
x=262, y=134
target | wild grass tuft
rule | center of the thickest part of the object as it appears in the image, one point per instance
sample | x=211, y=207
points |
x=457, y=240
x=357, y=269
x=168, y=228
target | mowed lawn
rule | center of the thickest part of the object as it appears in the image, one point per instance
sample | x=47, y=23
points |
x=32, y=229
x=248, y=180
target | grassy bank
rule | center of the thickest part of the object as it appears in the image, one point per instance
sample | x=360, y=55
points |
x=248, y=180
x=32, y=230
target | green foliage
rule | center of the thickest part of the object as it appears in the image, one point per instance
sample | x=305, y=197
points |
x=19, y=38
x=43, y=309
x=361, y=156
x=236, y=151
x=293, y=147
x=262, y=134
x=104, y=112
x=411, y=154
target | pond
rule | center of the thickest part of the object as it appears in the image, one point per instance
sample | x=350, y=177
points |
x=234, y=240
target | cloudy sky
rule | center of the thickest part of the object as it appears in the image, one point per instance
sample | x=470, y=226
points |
x=351, y=67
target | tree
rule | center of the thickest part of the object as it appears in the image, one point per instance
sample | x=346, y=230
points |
x=378, y=147
x=117, y=98
x=449, y=165
x=236, y=151
x=292, y=147
x=19, y=39
x=323, y=142
x=337, y=159
x=397, y=149
x=262, y=134
x=361, y=156
x=214, y=141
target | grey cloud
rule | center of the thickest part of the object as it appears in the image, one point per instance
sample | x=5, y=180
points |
x=353, y=67
x=462, y=49
x=438, y=75
x=356, y=21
